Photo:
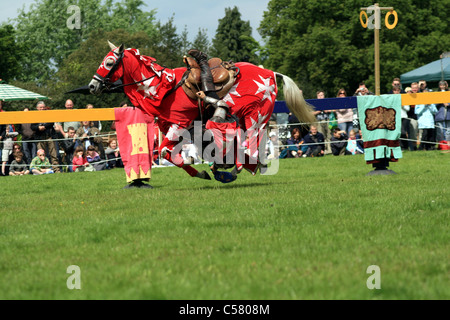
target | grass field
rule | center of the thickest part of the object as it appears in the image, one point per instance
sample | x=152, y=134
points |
x=308, y=232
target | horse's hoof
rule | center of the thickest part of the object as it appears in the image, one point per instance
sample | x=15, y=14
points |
x=263, y=168
x=224, y=176
x=203, y=175
x=164, y=152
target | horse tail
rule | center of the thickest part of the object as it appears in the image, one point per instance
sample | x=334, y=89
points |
x=295, y=101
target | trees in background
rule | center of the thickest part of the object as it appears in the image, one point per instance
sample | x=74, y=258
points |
x=51, y=30
x=233, y=40
x=322, y=45
x=319, y=43
x=10, y=56
x=62, y=43
x=201, y=41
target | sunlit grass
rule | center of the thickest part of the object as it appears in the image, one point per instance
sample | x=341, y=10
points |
x=308, y=232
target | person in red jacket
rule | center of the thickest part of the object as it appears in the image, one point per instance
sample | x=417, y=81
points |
x=79, y=161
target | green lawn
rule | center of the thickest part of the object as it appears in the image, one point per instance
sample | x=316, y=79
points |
x=308, y=232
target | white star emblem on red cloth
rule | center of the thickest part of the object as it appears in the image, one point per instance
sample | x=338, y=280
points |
x=169, y=76
x=257, y=124
x=149, y=90
x=266, y=88
x=233, y=91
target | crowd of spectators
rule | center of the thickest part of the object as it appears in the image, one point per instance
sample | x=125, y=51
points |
x=45, y=148
x=337, y=132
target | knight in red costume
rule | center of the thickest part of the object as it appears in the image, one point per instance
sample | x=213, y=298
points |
x=251, y=100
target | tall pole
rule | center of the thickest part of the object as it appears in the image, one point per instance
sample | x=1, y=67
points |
x=377, y=61
x=375, y=23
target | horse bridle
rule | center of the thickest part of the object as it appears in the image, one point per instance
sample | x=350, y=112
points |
x=106, y=81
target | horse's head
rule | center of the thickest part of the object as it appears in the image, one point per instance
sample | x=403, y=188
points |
x=109, y=71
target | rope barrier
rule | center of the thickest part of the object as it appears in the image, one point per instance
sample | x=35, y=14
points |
x=315, y=144
x=63, y=139
x=324, y=121
x=67, y=165
x=115, y=134
x=331, y=142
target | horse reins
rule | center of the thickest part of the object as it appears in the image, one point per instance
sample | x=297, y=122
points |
x=106, y=82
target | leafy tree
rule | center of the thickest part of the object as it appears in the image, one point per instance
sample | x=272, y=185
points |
x=185, y=43
x=168, y=45
x=10, y=56
x=322, y=44
x=201, y=41
x=233, y=40
x=128, y=15
x=48, y=33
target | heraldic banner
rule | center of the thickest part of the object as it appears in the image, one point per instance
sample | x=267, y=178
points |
x=135, y=134
x=380, y=122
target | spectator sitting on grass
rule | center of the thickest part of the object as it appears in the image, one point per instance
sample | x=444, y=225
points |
x=18, y=165
x=113, y=155
x=352, y=143
x=339, y=142
x=314, y=143
x=294, y=142
x=69, y=146
x=90, y=136
x=272, y=151
x=94, y=159
x=80, y=162
x=40, y=164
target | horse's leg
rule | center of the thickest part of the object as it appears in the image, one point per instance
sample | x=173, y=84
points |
x=166, y=149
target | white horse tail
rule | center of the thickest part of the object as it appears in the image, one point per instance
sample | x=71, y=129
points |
x=295, y=101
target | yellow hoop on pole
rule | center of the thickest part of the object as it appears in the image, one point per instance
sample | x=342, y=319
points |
x=386, y=19
x=361, y=20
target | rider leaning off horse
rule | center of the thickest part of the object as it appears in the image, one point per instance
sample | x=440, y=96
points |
x=209, y=95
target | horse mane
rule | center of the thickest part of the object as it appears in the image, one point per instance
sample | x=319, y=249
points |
x=147, y=61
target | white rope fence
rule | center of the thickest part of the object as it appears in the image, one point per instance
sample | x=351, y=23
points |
x=329, y=142
x=63, y=139
x=339, y=141
x=69, y=165
x=325, y=121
